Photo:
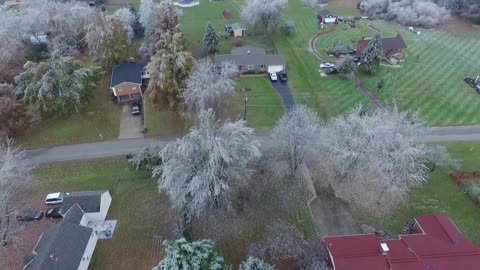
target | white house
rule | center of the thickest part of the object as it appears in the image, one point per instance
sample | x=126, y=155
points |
x=69, y=245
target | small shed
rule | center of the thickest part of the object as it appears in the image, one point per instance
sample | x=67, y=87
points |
x=327, y=17
x=227, y=15
x=239, y=30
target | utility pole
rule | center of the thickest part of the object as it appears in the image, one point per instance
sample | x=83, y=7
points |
x=245, y=111
x=245, y=90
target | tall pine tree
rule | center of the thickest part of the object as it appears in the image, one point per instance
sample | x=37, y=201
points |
x=372, y=55
x=211, y=41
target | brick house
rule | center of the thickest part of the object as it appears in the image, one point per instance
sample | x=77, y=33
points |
x=127, y=80
x=392, y=47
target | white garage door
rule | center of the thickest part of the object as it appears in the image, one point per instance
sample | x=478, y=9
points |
x=275, y=68
x=330, y=20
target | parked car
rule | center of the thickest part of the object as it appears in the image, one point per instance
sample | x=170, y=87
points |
x=330, y=71
x=29, y=215
x=283, y=76
x=327, y=65
x=136, y=109
x=273, y=76
x=54, y=212
x=55, y=198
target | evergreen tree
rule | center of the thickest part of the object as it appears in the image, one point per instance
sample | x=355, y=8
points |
x=211, y=41
x=372, y=55
x=196, y=255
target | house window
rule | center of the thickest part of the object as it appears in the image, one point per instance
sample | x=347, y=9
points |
x=119, y=90
x=250, y=67
x=134, y=88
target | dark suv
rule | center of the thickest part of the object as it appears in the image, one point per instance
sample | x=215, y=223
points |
x=283, y=76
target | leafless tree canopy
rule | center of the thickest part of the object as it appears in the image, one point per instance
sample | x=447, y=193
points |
x=293, y=137
x=371, y=160
x=409, y=12
x=14, y=175
x=208, y=85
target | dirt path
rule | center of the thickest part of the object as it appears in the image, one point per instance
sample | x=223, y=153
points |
x=353, y=77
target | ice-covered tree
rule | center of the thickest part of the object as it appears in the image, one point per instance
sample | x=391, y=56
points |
x=372, y=159
x=208, y=85
x=211, y=41
x=347, y=66
x=293, y=136
x=253, y=263
x=372, y=55
x=198, y=170
x=146, y=15
x=58, y=86
x=438, y=155
x=169, y=70
x=107, y=41
x=147, y=159
x=15, y=174
x=265, y=13
x=13, y=114
x=196, y=255
x=128, y=19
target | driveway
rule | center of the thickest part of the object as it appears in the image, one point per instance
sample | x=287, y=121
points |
x=130, y=126
x=332, y=216
x=284, y=91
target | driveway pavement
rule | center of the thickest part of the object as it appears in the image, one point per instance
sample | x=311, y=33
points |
x=332, y=216
x=284, y=91
x=130, y=126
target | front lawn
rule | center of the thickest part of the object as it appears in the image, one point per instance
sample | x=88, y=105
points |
x=99, y=120
x=264, y=107
x=162, y=121
x=441, y=195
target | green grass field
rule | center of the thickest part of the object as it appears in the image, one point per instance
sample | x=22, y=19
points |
x=100, y=116
x=433, y=85
x=441, y=195
x=163, y=122
x=265, y=106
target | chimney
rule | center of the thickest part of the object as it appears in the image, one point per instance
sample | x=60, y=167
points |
x=384, y=249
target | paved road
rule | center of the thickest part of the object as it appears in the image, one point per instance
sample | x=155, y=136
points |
x=284, y=91
x=113, y=148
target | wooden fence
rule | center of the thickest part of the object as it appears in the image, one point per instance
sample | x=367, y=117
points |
x=460, y=177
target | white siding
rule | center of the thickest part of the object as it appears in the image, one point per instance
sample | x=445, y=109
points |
x=89, y=249
x=106, y=200
x=275, y=68
x=330, y=20
x=239, y=32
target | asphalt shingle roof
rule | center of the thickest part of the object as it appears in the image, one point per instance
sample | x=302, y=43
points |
x=127, y=72
x=66, y=242
x=74, y=215
x=326, y=12
x=89, y=201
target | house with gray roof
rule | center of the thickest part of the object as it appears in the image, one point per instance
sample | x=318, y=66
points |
x=69, y=244
x=94, y=204
x=251, y=59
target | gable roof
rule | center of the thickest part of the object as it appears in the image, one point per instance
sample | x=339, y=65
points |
x=242, y=50
x=66, y=242
x=236, y=26
x=127, y=72
x=74, y=215
x=440, y=245
x=388, y=44
x=326, y=13
x=89, y=201
x=251, y=59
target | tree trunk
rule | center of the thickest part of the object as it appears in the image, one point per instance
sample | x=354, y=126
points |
x=7, y=224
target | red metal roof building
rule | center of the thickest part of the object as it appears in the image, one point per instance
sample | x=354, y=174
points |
x=436, y=244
